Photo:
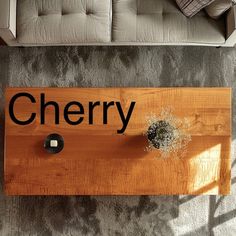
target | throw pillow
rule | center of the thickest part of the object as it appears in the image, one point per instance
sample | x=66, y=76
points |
x=192, y=7
x=218, y=8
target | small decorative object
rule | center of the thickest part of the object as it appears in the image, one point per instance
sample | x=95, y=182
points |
x=54, y=143
x=167, y=133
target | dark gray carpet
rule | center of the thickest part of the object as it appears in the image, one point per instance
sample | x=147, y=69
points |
x=118, y=66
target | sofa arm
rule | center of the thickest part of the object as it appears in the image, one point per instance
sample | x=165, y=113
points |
x=8, y=21
x=231, y=27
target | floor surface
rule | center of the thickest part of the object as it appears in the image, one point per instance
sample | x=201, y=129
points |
x=108, y=67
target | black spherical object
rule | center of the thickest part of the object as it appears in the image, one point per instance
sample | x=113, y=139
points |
x=54, y=143
x=160, y=134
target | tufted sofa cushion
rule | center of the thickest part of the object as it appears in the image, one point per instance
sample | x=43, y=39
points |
x=64, y=21
x=160, y=21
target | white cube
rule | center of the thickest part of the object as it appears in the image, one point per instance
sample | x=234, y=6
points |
x=53, y=143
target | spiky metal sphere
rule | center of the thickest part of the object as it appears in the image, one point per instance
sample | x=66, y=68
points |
x=160, y=134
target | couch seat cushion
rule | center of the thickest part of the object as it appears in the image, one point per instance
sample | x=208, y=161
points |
x=161, y=21
x=63, y=22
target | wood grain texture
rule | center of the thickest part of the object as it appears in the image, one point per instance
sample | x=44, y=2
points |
x=97, y=161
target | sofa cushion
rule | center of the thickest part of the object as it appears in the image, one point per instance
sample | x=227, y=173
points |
x=63, y=22
x=161, y=21
x=192, y=7
x=218, y=8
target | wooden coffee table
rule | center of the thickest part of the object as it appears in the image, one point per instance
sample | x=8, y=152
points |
x=96, y=160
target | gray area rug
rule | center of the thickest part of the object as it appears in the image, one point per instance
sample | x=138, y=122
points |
x=108, y=67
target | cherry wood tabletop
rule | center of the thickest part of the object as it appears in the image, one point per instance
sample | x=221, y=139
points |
x=96, y=160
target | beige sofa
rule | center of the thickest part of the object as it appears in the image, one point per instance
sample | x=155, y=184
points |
x=110, y=22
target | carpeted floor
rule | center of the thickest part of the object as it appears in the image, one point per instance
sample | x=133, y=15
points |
x=116, y=67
